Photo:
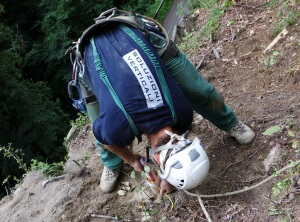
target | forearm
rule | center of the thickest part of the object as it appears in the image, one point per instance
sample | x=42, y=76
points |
x=130, y=158
x=124, y=152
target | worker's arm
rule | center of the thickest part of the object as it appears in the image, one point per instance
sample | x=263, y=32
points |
x=132, y=159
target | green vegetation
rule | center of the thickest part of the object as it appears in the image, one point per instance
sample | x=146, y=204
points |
x=81, y=121
x=212, y=25
x=284, y=213
x=190, y=41
x=49, y=169
x=15, y=154
x=162, y=12
x=271, y=60
x=293, y=134
x=180, y=10
x=207, y=4
x=11, y=182
x=215, y=9
x=287, y=14
x=15, y=158
x=282, y=185
x=282, y=188
x=146, y=214
x=83, y=159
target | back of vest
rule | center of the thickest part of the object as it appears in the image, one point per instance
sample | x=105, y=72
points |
x=122, y=65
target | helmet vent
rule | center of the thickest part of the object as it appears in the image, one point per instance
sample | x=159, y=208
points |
x=177, y=165
x=193, y=155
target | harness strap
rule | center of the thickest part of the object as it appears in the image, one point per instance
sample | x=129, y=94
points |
x=167, y=146
x=88, y=96
x=155, y=63
x=150, y=154
x=116, y=16
x=181, y=143
x=170, y=52
x=103, y=76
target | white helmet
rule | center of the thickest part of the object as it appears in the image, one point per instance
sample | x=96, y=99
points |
x=187, y=165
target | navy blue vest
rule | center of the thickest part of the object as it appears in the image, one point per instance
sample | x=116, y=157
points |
x=134, y=79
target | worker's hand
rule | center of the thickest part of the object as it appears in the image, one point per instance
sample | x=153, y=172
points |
x=135, y=163
x=165, y=187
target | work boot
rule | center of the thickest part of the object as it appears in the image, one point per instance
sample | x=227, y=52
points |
x=242, y=133
x=109, y=179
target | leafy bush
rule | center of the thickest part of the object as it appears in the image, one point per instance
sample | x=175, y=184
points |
x=81, y=121
x=49, y=169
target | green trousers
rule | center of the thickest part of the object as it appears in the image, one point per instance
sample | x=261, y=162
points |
x=202, y=96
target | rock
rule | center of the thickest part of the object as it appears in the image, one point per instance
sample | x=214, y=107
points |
x=178, y=34
x=122, y=192
x=273, y=157
x=72, y=134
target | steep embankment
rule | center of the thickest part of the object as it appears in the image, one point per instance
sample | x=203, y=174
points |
x=262, y=88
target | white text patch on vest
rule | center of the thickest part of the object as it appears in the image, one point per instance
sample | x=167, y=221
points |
x=145, y=78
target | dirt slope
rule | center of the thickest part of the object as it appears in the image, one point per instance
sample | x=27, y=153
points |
x=262, y=95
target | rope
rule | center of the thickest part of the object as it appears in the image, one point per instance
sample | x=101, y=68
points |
x=291, y=165
x=248, y=188
x=203, y=208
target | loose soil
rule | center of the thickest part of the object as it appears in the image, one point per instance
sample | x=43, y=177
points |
x=262, y=96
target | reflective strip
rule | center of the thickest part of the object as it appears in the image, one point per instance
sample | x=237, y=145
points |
x=103, y=76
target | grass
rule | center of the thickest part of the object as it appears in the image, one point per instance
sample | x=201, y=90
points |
x=49, y=169
x=212, y=24
x=81, y=121
x=283, y=188
x=202, y=4
x=271, y=60
x=215, y=10
x=287, y=14
x=17, y=154
x=190, y=41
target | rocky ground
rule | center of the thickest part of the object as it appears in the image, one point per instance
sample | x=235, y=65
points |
x=263, y=90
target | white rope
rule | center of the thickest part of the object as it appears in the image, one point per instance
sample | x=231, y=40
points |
x=248, y=188
x=203, y=208
x=238, y=191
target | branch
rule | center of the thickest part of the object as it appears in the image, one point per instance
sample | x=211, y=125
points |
x=278, y=37
x=52, y=179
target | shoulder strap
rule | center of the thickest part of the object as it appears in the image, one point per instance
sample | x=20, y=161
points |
x=115, y=15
